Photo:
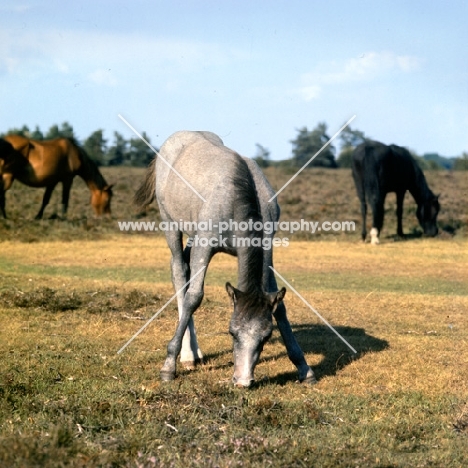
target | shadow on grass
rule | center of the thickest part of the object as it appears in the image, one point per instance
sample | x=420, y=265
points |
x=319, y=339
x=447, y=229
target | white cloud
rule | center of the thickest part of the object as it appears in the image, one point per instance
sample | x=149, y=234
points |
x=15, y=8
x=370, y=66
x=88, y=52
x=103, y=77
x=310, y=92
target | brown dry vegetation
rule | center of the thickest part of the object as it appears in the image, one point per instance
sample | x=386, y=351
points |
x=74, y=292
x=315, y=195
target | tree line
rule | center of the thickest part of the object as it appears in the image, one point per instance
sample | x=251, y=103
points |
x=135, y=152
x=120, y=152
x=308, y=142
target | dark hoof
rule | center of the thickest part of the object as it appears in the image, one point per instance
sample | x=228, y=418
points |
x=167, y=376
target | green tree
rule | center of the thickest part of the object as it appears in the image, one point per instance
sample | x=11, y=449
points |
x=23, y=131
x=53, y=132
x=345, y=158
x=422, y=163
x=37, y=134
x=139, y=153
x=461, y=163
x=262, y=156
x=349, y=140
x=65, y=131
x=96, y=147
x=308, y=143
x=118, y=152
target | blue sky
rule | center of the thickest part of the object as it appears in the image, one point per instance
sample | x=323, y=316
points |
x=252, y=72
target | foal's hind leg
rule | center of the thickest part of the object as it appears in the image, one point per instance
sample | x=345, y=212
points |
x=190, y=354
x=189, y=298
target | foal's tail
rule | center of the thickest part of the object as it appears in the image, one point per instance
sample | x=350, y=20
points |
x=146, y=192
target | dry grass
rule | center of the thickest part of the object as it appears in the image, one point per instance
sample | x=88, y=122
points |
x=316, y=195
x=73, y=292
x=66, y=398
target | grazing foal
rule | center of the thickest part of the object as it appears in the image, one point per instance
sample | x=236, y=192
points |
x=195, y=165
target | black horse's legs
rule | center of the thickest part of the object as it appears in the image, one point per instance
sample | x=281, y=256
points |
x=66, y=187
x=399, y=212
x=377, y=204
x=364, y=215
x=361, y=192
x=45, y=200
x=189, y=298
x=295, y=354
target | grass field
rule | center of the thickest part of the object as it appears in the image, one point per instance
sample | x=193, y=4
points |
x=74, y=292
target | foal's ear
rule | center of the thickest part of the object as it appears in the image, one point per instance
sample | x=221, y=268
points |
x=232, y=291
x=276, y=297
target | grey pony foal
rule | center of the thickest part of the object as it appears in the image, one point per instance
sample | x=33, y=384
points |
x=201, y=185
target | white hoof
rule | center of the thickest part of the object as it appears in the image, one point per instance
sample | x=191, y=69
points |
x=374, y=236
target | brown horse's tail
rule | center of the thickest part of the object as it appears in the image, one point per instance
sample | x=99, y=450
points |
x=146, y=192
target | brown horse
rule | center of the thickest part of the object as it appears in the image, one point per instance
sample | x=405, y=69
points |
x=45, y=164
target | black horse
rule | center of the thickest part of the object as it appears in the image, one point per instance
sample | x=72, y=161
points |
x=379, y=169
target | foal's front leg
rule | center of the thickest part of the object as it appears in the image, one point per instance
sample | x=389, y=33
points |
x=295, y=354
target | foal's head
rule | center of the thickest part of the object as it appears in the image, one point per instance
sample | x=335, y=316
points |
x=251, y=327
x=427, y=215
x=101, y=200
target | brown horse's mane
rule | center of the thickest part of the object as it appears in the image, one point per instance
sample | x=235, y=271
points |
x=89, y=170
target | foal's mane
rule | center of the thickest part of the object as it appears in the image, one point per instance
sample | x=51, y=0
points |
x=246, y=207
